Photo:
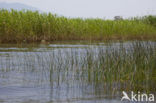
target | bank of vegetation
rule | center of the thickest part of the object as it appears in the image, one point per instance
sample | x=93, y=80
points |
x=29, y=26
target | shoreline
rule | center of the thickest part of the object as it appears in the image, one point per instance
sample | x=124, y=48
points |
x=108, y=39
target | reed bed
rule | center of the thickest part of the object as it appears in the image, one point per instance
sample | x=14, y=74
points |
x=30, y=26
x=113, y=68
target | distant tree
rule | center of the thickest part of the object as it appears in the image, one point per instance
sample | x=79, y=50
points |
x=118, y=18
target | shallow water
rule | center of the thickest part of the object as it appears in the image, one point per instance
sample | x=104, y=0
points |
x=45, y=74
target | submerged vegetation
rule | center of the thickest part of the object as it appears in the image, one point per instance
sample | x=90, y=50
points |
x=29, y=26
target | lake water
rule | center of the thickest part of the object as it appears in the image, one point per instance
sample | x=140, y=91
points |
x=52, y=74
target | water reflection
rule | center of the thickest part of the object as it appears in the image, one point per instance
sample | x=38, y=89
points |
x=54, y=74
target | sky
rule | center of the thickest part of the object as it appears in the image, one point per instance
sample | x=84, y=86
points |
x=93, y=8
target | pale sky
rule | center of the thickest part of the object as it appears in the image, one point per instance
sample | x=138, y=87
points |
x=93, y=8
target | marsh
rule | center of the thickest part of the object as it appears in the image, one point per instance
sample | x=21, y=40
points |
x=76, y=72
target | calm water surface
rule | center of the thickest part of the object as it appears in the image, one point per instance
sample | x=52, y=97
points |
x=46, y=74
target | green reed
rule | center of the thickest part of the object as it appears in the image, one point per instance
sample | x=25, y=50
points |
x=122, y=67
x=29, y=26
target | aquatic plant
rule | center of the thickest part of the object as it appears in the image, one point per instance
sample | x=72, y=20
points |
x=32, y=26
x=116, y=67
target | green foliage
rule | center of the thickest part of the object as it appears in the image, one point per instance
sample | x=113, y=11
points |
x=16, y=26
x=151, y=20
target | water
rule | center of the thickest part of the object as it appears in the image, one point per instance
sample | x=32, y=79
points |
x=52, y=73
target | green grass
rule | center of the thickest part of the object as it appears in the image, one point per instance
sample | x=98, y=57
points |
x=29, y=26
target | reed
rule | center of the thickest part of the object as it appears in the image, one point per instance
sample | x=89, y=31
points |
x=30, y=26
x=123, y=67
